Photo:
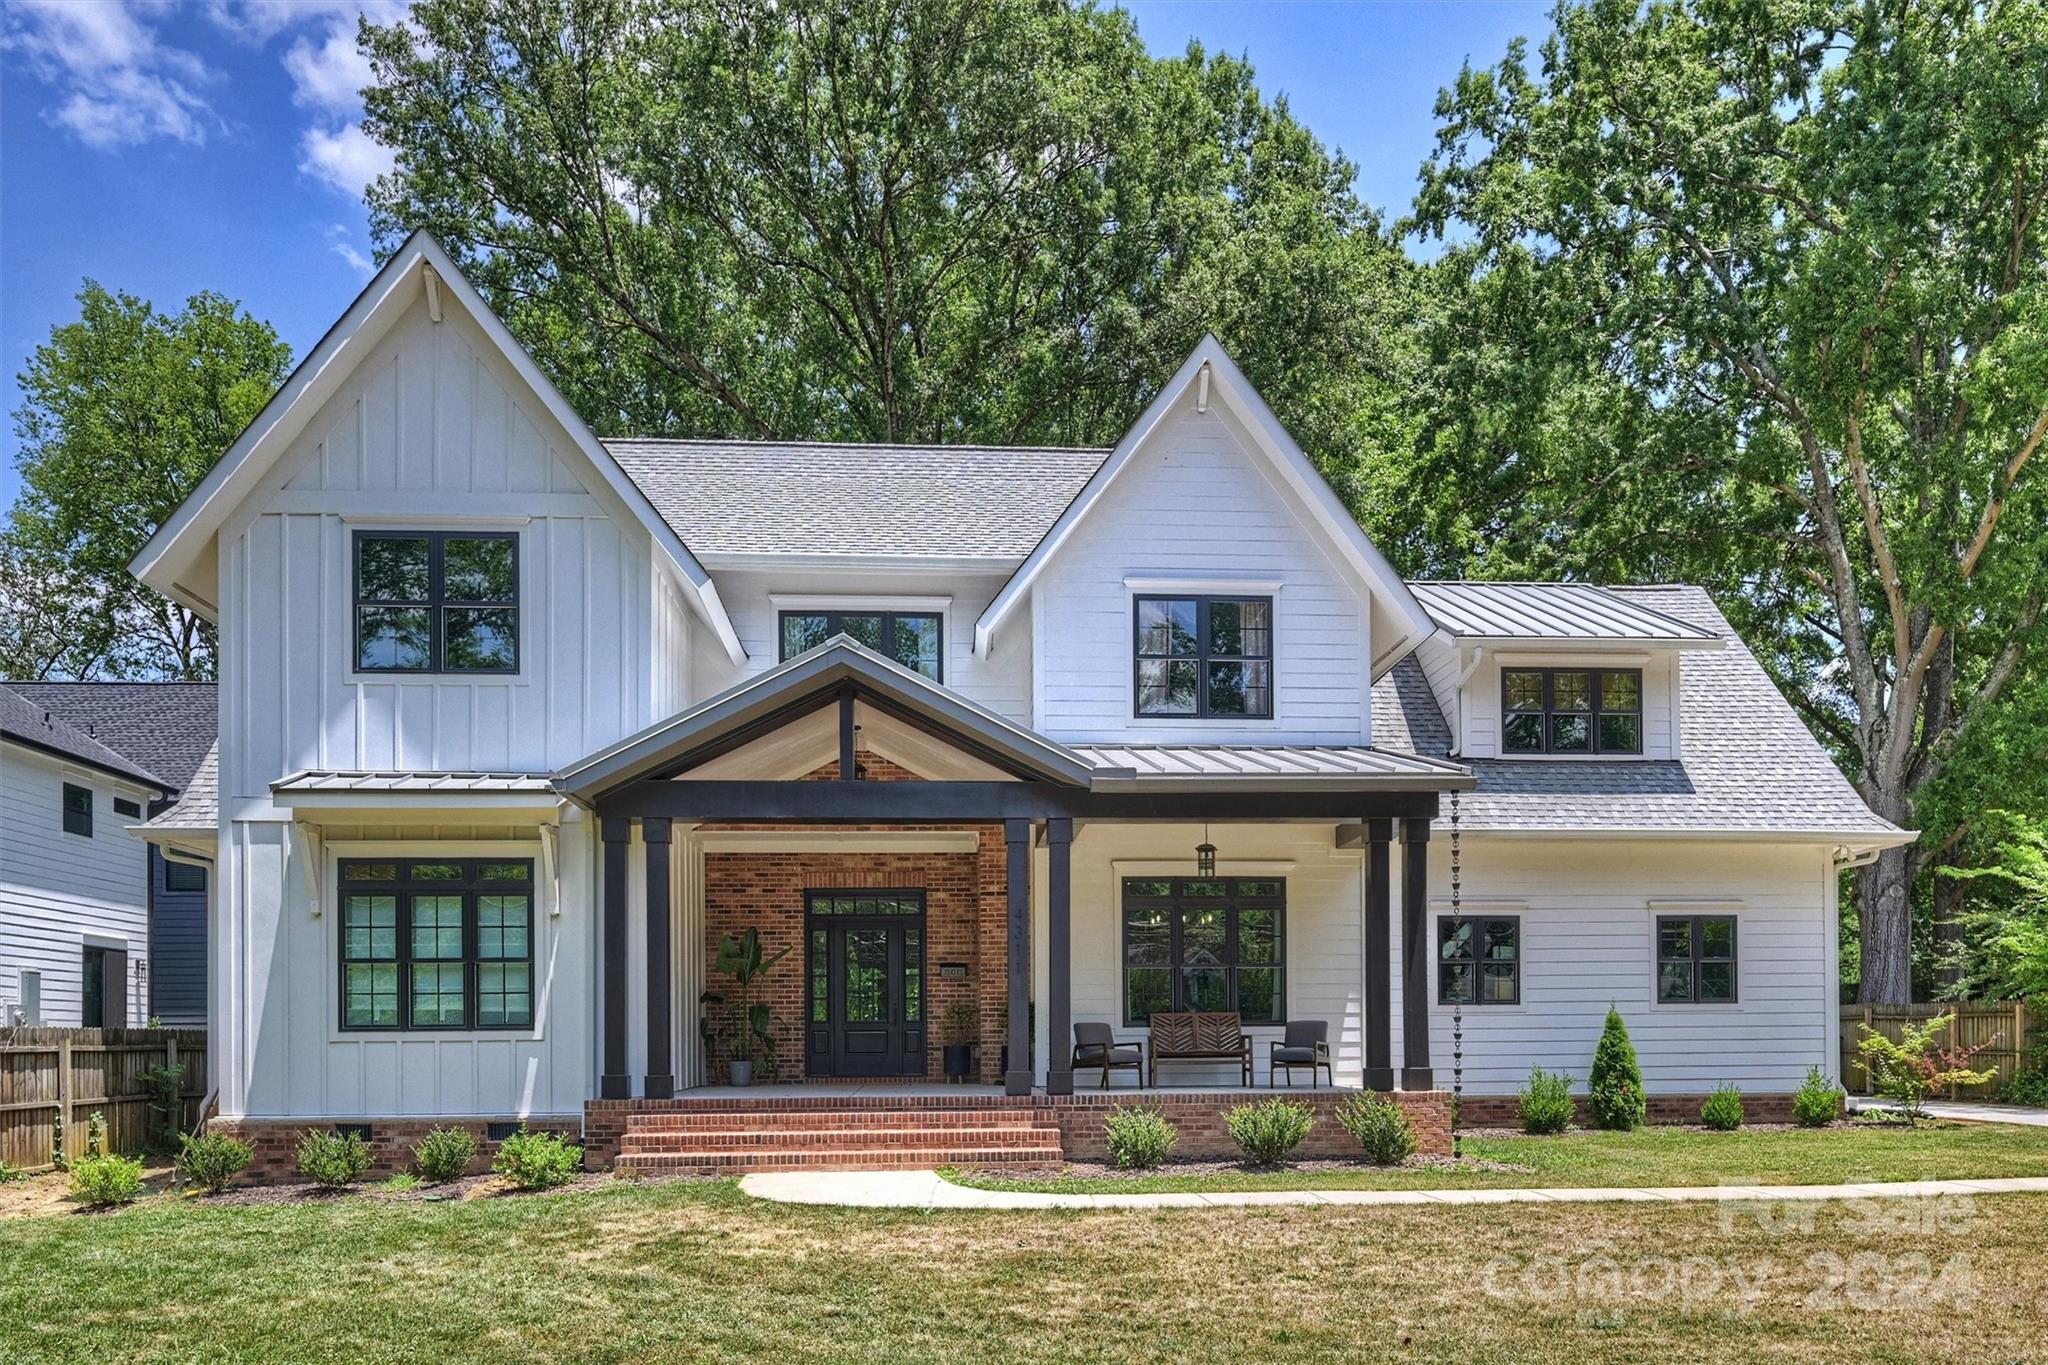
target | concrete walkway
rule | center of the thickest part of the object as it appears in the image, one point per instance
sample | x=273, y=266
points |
x=1966, y=1111
x=927, y=1190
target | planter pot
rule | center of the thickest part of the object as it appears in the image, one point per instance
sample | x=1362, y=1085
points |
x=740, y=1071
x=959, y=1060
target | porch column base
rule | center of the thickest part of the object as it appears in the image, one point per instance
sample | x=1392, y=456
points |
x=1379, y=1078
x=1418, y=1078
x=1019, y=1082
x=659, y=1088
x=1059, y=1082
x=615, y=1087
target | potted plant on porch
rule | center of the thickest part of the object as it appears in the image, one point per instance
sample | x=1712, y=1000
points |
x=959, y=1027
x=747, y=1032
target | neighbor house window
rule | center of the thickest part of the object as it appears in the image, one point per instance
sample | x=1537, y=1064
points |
x=437, y=602
x=184, y=876
x=1479, y=960
x=78, y=810
x=1571, y=711
x=911, y=638
x=1208, y=943
x=1205, y=656
x=1695, y=959
x=436, y=943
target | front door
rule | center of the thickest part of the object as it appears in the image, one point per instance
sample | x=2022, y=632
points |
x=865, y=970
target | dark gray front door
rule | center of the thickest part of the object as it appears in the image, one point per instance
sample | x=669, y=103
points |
x=865, y=972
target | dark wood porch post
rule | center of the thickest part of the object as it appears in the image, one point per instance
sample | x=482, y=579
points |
x=661, y=1071
x=1059, y=940
x=1379, y=951
x=1415, y=1068
x=1017, y=842
x=615, y=1083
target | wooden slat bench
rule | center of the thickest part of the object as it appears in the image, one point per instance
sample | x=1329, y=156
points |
x=1200, y=1037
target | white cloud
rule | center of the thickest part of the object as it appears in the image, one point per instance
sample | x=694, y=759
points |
x=345, y=157
x=328, y=75
x=341, y=242
x=118, y=83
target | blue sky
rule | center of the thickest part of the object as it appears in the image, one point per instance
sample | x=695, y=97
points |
x=164, y=148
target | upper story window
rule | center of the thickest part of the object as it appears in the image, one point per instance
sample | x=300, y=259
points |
x=437, y=601
x=911, y=638
x=77, y=810
x=1205, y=656
x=1571, y=711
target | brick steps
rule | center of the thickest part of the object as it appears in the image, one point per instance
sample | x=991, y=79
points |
x=828, y=1134
x=837, y=1121
x=1012, y=1134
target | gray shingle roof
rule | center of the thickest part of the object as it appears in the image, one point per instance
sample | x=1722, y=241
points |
x=760, y=497
x=1549, y=611
x=36, y=724
x=164, y=728
x=198, y=806
x=1746, y=761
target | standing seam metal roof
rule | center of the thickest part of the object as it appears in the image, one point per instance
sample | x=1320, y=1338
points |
x=1549, y=611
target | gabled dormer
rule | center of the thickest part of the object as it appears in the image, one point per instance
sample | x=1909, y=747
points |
x=1556, y=671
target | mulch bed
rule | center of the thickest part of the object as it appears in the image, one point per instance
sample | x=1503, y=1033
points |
x=1102, y=1170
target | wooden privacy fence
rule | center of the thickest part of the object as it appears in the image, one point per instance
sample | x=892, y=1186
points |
x=66, y=1075
x=2001, y=1024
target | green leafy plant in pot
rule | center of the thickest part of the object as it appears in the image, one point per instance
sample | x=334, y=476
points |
x=959, y=1026
x=746, y=1032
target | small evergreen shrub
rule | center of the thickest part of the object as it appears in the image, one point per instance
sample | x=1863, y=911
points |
x=1139, y=1136
x=1381, y=1127
x=536, y=1161
x=1546, y=1102
x=444, y=1154
x=104, y=1180
x=332, y=1159
x=2028, y=1087
x=1723, y=1110
x=211, y=1160
x=1615, y=1092
x=1270, y=1129
x=1818, y=1101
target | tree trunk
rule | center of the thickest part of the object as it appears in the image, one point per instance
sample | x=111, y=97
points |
x=1884, y=920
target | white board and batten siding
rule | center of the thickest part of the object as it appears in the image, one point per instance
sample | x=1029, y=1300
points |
x=1196, y=509
x=61, y=893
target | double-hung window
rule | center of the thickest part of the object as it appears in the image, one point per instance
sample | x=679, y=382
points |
x=1695, y=959
x=77, y=810
x=1204, y=656
x=437, y=601
x=1204, y=943
x=436, y=943
x=911, y=638
x=1479, y=960
x=1571, y=711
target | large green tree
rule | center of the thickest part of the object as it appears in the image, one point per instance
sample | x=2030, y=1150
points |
x=893, y=220
x=1752, y=292
x=123, y=411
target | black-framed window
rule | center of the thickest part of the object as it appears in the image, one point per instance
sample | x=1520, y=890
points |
x=92, y=1011
x=184, y=876
x=77, y=810
x=436, y=943
x=1571, y=710
x=124, y=806
x=437, y=601
x=914, y=639
x=1695, y=959
x=1205, y=943
x=1479, y=960
x=1204, y=656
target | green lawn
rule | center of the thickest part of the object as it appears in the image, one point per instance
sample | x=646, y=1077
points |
x=1843, y=1154
x=698, y=1272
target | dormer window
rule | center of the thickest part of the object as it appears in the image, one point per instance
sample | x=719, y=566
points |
x=1205, y=657
x=1571, y=711
x=437, y=602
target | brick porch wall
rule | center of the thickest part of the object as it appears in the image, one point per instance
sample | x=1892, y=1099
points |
x=1505, y=1111
x=1204, y=1135
x=966, y=922
x=391, y=1142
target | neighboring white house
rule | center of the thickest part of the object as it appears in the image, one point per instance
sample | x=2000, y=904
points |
x=512, y=722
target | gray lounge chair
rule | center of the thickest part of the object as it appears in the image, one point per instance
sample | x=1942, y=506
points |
x=1307, y=1043
x=1095, y=1045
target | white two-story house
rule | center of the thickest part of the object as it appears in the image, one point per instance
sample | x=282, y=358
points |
x=517, y=726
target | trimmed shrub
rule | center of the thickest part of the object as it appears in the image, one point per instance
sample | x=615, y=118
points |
x=211, y=1160
x=1723, y=1110
x=104, y=1180
x=1270, y=1129
x=1615, y=1092
x=2028, y=1087
x=1818, y=1101
x=536, y=1161
x=444, y=1154
x=332, y=1159
x=1139, y=1136
x=1546, y=1102
x=1381, y=1127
